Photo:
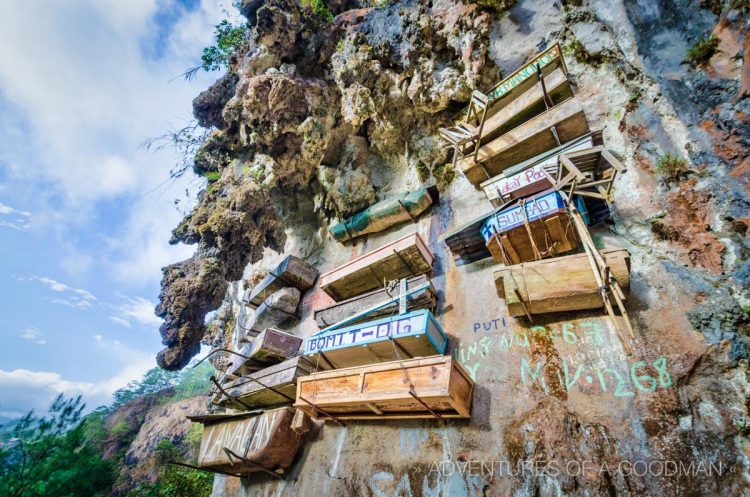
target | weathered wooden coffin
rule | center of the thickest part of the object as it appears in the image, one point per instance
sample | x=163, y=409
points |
x=560, y=284
x=244, y=443
x=531, y=138
x=264, y=388
x=386, y=213
x=403, y=336
x=548, y=223
x=382, y=390
x=291, y=271
x=424, y=299
x=273, y=346
x=407, y=256
x=507, y=186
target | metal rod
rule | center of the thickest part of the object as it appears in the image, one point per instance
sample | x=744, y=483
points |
x=247, y=461
x=434, y=413
x=334, y=418
x=221, y=389
x=208, y=470
x=220, y=350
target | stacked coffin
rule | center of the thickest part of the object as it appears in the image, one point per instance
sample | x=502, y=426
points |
x=381, y=347
x=548, y=178
x=263, y=374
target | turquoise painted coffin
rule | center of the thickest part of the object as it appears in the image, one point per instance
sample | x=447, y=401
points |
x=414, y=334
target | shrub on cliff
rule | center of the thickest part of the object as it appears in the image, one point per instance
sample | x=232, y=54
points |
x=699, y=54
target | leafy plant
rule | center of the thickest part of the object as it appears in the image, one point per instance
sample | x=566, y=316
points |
x=318, y=7
x=671, y=167
x=229, y=39
x=174, y=480
x=700, y=53
x=212, y=176
x=50, y=455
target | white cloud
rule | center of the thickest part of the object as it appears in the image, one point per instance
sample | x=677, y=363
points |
x=34, y=334
x=135, y=310
x=23, y=389
x=76, y=298
x=14, y=218
x=76, y=104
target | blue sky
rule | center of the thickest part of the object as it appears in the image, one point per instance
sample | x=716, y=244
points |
x=85, y=211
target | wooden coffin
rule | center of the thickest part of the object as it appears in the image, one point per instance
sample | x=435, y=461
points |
x=531, y=138
x=386, y=213
x=273, y=346
x=560, y=284
x=403, y=336
x=382, y=390
x=264, y=388
x=425, y=299
x=505, y=186
x=407, y=256
x=291, y=271
x=548, y=223
x=239, y=444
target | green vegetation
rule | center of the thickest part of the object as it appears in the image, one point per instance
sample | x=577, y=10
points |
x=174, y=480
x=185, y=384
x=52, y=455
x=230, y=38
x=319, y=8
x=699, y=54
x=212, y=176
x=671, y=167
x=59, y=454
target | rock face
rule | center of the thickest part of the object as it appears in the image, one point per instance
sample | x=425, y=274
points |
x=320, y=118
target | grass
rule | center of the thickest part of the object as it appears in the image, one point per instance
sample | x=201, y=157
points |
x=699, y=54
x=212, y=176
x=671, y=167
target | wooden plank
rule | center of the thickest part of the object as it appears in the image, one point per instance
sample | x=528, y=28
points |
x=273, y=346
x=527, y=140
x=530, y=180
x=335, y=313
x=291, y=271
x=386, y=214
x=413, y=334
x=405, y=257
x=559, y=284
x=525, y=105
x=280, y=377
x=264, y=441
x=439, y=381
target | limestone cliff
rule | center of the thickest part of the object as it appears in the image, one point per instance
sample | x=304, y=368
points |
x=319, y=118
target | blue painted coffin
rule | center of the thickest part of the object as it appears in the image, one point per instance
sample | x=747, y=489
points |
x=414, y=334
x=537, y=207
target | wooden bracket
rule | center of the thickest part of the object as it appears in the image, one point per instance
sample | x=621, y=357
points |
x=331, y=416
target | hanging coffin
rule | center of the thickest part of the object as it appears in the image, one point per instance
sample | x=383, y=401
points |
x=239, y=444
x=271, y=386
x=291, y=272
x=425, y=299
x=563, y=122
x=427, y=387
x=529, y=177
x=405, y=257
x=559, y=284
x=529, y=230
x=386, y=213
x=273, y=346
x=408, y=335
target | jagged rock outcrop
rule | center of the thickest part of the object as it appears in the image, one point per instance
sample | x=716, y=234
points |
x=316, y=106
